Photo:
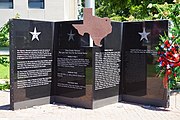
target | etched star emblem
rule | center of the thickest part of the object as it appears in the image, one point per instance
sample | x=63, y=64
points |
x=144, y=34
x=71, y=36
x=35, y=34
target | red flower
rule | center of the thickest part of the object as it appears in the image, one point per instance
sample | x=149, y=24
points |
x=173, y=49
x=176, y=64
x=166, y=42
x=169, y=72
x=164, y=63
x=168, y=45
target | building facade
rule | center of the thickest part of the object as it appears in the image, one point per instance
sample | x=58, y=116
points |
x=55, y=10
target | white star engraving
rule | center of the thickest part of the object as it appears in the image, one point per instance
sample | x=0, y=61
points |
x=144, y=34
x=71, y=36
x=35, y=34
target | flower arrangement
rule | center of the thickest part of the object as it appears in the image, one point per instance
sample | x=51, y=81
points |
x=169, y=60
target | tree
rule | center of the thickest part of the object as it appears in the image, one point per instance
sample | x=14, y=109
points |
x=110, y=8
x=4, y=35
x=125, y=8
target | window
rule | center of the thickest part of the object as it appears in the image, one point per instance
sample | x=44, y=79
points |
x=6, y=4
x=39, y=4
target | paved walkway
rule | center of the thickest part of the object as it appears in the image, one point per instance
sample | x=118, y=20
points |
x=4, y=51
x=118, y=111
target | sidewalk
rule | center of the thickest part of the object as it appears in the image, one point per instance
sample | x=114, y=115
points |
x=118, y=111
x=4, y=51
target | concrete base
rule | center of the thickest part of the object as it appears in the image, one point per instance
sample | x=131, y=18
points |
x=145, y=101
x=104, y=102
x=31, y=103
x=72, y=101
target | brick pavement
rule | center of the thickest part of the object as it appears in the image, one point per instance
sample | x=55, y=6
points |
x=118, y=111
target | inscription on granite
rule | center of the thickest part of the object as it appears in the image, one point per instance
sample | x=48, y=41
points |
x=131, y=65
x=139, y=76
x=70, y=64
x=31, y=62
x=107, y=69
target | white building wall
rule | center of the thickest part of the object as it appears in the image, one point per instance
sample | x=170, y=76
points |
x=20, y=7
x=71, y=8
x=54, y=10
x=5, y=15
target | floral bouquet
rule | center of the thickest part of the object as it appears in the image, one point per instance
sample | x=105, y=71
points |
x=169, y=60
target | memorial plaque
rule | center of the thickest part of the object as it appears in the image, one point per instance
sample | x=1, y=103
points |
x=51, y=62
x=86, y=76
x=31, y=48
x=71, y=60
x=80, y=75
x=107, y=61
x=140, y=83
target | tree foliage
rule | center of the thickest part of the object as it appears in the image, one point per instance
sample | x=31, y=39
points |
x=4, y=61
x=4, y=35
x=123, y=9
x=4, y=85
x=111, y=8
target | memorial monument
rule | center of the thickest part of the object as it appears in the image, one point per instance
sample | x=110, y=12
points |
x=52, y=62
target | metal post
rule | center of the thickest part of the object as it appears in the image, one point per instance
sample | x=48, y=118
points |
x=90, y=4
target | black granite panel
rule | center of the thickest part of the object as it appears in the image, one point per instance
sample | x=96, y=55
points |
x=72, y=61
x=53, y=59
x=139, y=60
x=107, y=64
x=31, y=48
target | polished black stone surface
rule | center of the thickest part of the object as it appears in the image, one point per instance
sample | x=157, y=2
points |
x=85, y=74
x=106, y=62
x=139, y=62
x=51, y=59
x=31, y=48
x=71, y=60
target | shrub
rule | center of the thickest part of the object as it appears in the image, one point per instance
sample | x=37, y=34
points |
x=4, y=35
x=119, y=18
x=4, y=85
x=4, y=61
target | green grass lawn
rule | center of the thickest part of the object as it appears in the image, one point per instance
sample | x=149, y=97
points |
x=4, y=70
x=4, y=48
x=89, y=75
x=151, y=70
